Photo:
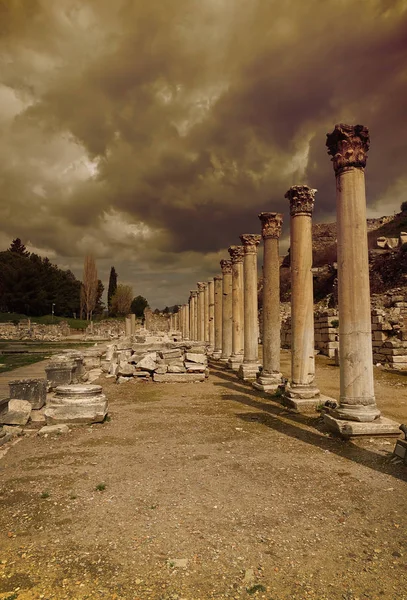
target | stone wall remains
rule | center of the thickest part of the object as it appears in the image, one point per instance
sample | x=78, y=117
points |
x=156, y=322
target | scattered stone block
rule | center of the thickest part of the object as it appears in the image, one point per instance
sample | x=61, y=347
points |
x=32, y=390
x=148, y=362
x=179, y=377
x=17, y=412
x=195, y=368
x=38, y=416
x=61, y=428
x=195, y=357
x=125, y=370
x=60, y=372
x=176, y=369
x=122, y=379
x=173, y=353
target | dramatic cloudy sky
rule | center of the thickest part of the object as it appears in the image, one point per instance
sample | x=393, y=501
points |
x=151, y=133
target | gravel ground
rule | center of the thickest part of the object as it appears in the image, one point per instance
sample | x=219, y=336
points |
x=199, y=491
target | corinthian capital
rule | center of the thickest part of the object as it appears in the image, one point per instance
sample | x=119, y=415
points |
x=236, y=253
x=301, y=199
x=201, y=286
x=271, y=224
x=193, y=293
x=226, y=266
x=348, y=145
x=250, y=242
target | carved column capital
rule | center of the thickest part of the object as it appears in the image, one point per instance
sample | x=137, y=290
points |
x=193, y=293
x=218, y=278
x=236, y=254
x=201, y=286
x=250, y=242
x=348, y=145
x=226, y=266
x=301, y=199
x=271, y=224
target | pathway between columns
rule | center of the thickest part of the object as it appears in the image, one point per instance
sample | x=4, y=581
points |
x=197, y=491
x=35, y=370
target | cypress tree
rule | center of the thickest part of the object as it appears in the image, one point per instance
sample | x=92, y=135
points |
x=112, y=288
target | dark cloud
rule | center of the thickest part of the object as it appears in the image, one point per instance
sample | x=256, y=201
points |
x=153, y=133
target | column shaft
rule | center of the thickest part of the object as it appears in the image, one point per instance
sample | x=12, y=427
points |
x=226, y=310
x=270, y=377
x=250, y=366
x=237, y=254
x=218, y=293
x=206, y=313
x=211, y=295
x=201, y=312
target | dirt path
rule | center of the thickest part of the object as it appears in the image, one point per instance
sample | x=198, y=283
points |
x=35, y=370
x=204, y=491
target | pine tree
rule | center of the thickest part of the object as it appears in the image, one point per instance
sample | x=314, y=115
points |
x=18, y=247
x=112, y=288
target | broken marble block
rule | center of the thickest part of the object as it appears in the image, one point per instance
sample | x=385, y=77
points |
x=195, y=357
x=76, y=404
x=148, y=362
x=61, y=371
x=15, y=412
x=32, y=390
x=179, y=377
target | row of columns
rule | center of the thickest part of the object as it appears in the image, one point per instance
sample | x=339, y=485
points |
x=223, y=311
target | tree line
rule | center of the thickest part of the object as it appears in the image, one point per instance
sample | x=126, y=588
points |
x=32, y=285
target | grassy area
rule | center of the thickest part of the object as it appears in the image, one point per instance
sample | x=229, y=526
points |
x=45, y=320
x=8, y=362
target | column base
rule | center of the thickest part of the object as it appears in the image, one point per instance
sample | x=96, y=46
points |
x=248, y=371
x=303, y=398
x=347, y=429
x=224, y=359
x=216, y=354
x=268, y=383
x=356, y=412
x=235, y=361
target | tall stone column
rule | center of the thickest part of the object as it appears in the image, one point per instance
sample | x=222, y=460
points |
x=128, y=326
x=249, y=368
x=211, y=298
x=270, y=378
x=236, y=255
x=301, y=391
x=357, y=411
x=218, y=293
x=192, y=314
x=186, y=321
x=206, y=313
x=226, y=266
x=201, y=310
x=133, y=323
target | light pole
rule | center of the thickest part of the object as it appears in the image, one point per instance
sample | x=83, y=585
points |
x=52, y=311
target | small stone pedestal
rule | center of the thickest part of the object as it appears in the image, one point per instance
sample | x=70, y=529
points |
x=32, y=390
x=381, y=427
x=60, y=372
x=76, y=404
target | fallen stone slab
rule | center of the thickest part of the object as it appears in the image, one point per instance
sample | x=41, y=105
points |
x=161, y=369
x=125, y=370
x=142, y=373
x=122, y=379
x=178, y=377
x=38, y=416
x=76, y=404
x=17, y=412
x=14, y=430
x=195, y=368
x=195, y=357
x=62, y=428
x=174, y=353
x=176, y=369
x=4, y=436
x=32, y=390
x=148, y=362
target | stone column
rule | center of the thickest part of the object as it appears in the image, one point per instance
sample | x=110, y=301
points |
x=206, y=313
x=218, y=293
x=192, y=314
x=236, y=255
x=348, y=145
x=226, y=266
x=270, y=378
x=301, y=391
x=249, y=368
x=128, y=326
x=211, y=298
x=186, y=321
x=133, y=323
x=201, y=311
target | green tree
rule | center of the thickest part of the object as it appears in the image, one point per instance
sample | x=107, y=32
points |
x=99, y=307
x=112, y=287
x=138, y=305
x=18, y=247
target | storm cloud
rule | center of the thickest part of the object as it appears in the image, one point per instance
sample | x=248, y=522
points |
x=153, y=133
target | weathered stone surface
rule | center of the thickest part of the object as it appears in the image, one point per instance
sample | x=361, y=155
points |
x=195, y=357
x=176, y=369
x=32, y=390
x=381, y=427
x=61, y=428
x=17, y=412
x=174, y=362
x=173, y=353
x=179, y=377
x=38, y=416
x=142, y=373
x=76, y=404
x=161, y=369
x=60, y=373
x=122, y=379
x=148, y=362
x=125, y=370
x=14, y=430
x=194, y=367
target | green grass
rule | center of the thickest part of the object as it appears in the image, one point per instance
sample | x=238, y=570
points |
x=8, y=362
x=44, y=495
x=45, y=320
x=101, y=487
